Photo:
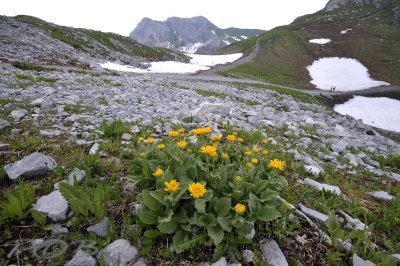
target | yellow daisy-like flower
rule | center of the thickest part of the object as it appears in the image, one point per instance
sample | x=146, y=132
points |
x=231, y=138
x=264, y=152
x=238, y=179
x=173, y=133
x=202, y=131
x=278, y=164
x=209, y=150
x=181, y=130
x=249, y=165
x=254, y=161
x=197, y=190
x=240, y=208
x=150, y=140
x=240, y=139
x=181, y=144
x=171, y=186
x=216, y=138
x=141, y=139
x=248, y=153
x=161, y=146
x=286, y=204
x=265, y=141
x=256, y=149
x=142, y=154
x=224, y=155
x=158, y=172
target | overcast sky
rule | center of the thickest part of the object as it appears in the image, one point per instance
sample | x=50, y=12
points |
x=122, y=16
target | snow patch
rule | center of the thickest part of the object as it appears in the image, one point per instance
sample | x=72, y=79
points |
x=213, y=32
x=320, y=41
x=236, y=39
x=345, y=74
x=243, y=37
x=212, y=60
x=378, y=112
x=227, y=43
x=191, y=49
x=345, y=31
x=157, y=67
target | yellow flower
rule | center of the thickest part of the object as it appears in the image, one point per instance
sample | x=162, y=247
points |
x=150, y=140
x=247, y=153
x=161, y=146
x=202, y=130
x=234, y=133
x=240, y=139
x=197, y=190
x=141, y=139
x=249, y=165
x=224, y=155
x=158, y=172
x=181, y=144
x=181, y=130
x=278, y=164
x=209, y=150
x=264, y=152
x=171, y=186
x=231, y=138
x=173, y=133
x=142, y=154
x=254, y=161
x=240, y=208
x=238, y=179
x=255, y=149
x=216, y=138
x=286, y=204
x=265, y=141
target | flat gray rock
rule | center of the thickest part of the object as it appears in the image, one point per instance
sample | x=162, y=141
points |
x=4, y=123
x=33, y=165
x=126, y=137
x=313, y=213
x=322, y=186
x=52, y=205
x=212, y=108
x=94, y=149
x=395, y=177
x=58, y=230
x=339, y=146
x=272, y=253
x=248, y=256
x=312, y=169
x=221, y=262
x=76, y=174
x=118, y=253
x=18, y=114
x=81, y=258
x=357, y=261
x=100, y=229
x=381, y=195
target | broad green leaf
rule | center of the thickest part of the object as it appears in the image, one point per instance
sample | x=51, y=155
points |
x=186, y=227
x=100, y=202
x=254, y=203
x=181, y=216
x=216, y=233
x=268, y=213
x=168, y=228
x=148, y=200
x=180, y=171
x=178, y=239
x=148, y=217
x=193, y=241
x=268, y=195
x=200, y=205
x=225, y=223
x=38, y=217
x=78, y=207
x=167, y=218
x=152, y=233
x=237, y=195
x=223, y=206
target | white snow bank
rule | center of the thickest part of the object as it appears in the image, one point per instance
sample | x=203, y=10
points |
x=191, y=49
x=243, y=37
x=345, y=74
x=320, y=41
x=378, y=112
x=212, y=60
x=345, y=31
x=157, y=67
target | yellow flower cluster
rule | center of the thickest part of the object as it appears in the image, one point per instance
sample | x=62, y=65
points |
x=278, y=164
x=231, y=138
x=254, y=161
x=247, y=153
x=224, y=155
x=141, y=139
x=161, y=146
x=197, y=190
x=158, y=172
x=209, y=150
x=171, y=186
x=181, y=144
x=202, y=131
x=256, y=149
x=238, y=179
x=150, y=140
x=240, y=208
x=216, y=138
x=173, y=134
x=264, y=152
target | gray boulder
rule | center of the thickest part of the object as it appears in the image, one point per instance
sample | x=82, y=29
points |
x=357, y=261
x=4, y=123
x=18, y=114
x=339, y=146
x=313, y=213
x=33, y=165
x=212, y=108
x=100, y=229
x=272, y=253
x=381, y=195
x=81, y=258
x=322, y=186
x=76, y=174
x=52, y=205
x=118, y=253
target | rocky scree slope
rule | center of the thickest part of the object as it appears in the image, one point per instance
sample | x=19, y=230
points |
x=189, y=35
x=286, y=51
x=27, y=38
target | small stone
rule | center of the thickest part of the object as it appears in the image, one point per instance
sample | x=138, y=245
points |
x=212, y=108
x=100, y=229
x=322, y=186
x=18, y=114
x=146, y=123
x=4, y=146
x=16, y=131
x=313, y=213
x=395, y=177
x=50, y=133
x=221, y=262
x=81, y=258
x=52, y=205
x=118, y=253
x=58, y=230
x=249, y=113
x=247, y=256
x=357, y=261
x=341, y=132
x=94, y=149
x=126, y=137
x=272, y=253
x=76, y=175
x=309, y=121
x=312, y=169
x=140, y=262
x=381, y=195
x=397, y=257
x=4, y=123
x=339, y=146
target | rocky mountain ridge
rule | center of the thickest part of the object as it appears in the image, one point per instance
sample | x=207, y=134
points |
x=189, y=35
x=335, y=4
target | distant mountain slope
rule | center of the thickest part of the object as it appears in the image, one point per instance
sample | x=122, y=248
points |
x=286, y=51
x=189, y=35
x=31, y=39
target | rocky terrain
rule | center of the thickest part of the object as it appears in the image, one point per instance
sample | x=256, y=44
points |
x=188, y=35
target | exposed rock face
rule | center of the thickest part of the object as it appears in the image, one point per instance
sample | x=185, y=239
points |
x=334, y=4
x=188, y=34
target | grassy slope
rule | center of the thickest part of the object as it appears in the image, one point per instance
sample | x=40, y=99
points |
x=83, y=39
x=287, y=52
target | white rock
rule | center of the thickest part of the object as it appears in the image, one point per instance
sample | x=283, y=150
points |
x=81, y=258
x=322, y=186
x=100, y=229
x=247, y=256
x=118, y=253
x=357, y=261
x=52, y=205
x=18, y=114
x=94, y=149
x=381, y=195
x=313, y=213
x=272, y=253
x=212, y=108
x=312, y=169
x=221, y=262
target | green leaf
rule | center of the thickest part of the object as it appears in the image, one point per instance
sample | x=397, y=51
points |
x=180, y=171
x=78, y=207
x=193, y=241
x=148, y=217
x=168, y=228
x=38, y=217
x=99, y=202
x=200, y=205
x=148, y=200
x=186, y=227
x=167, y=218
x=254, y=203
x=152, y=233
x=158, y=195
x=216, y=233
x=178, y=239
x=268, y=195
x=225, y=223
x=181, y=216
x=223, y=206
x=268, y=213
